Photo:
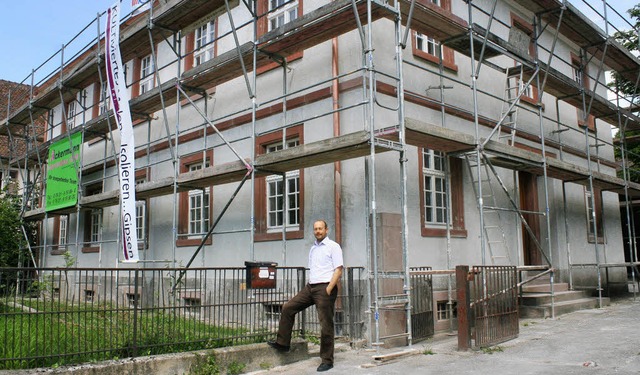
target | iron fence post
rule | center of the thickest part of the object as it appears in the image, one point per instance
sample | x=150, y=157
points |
x=464, y=326
x=135, y=314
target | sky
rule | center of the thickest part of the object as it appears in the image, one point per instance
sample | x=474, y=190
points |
x=33, y=31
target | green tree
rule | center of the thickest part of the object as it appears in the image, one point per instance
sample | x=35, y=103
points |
x=12, y=241
x=631, y=90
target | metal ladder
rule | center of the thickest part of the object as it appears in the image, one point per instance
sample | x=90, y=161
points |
x=495, y=237
x=513, y=90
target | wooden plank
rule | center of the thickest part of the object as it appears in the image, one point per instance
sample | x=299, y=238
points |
x=317, y=153
x=421, y=134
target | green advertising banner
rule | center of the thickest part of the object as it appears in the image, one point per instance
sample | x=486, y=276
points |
x=62, y=178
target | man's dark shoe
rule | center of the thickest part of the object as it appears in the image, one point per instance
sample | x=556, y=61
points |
x=278, y=347
x=324, y=367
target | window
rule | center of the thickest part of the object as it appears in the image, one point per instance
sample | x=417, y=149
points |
x=62, y=231
x=192, y=305
x=278, y=198
x=200, y=45
x=434, y=195
x=198, y=206
x=581, y=77
x=434, y=188
x=205, y=36
x=104, y=105
x=142, y=216
x=194, y=205
x=281, y=12
x=594, y=215
x=60, y=234
x=133, y=299
x=95, y=226
x=71, y=114
x=50, y=123
x=92, y=222
x=273, y=14
x=428, y=48
x=146, y=74
x=89, y=295
x=442, y=312
x=427, y=44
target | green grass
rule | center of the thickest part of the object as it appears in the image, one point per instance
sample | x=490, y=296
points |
x=492, y=349
x=68, y=334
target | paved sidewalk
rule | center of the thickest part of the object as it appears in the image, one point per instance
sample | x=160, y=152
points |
x=599, y=341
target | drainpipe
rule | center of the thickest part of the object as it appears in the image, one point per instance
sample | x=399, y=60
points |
x=337, y=180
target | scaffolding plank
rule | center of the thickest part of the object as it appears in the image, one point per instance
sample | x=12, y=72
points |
x=319, y=25
x=422, y=134
x=584, y=32
x=223, y=68
x=344, y=147
x=172, y=15
x=433, y=20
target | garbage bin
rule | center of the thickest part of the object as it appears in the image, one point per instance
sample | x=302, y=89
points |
x=261, y=275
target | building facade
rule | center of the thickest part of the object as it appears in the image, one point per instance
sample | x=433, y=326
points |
x=432, y=133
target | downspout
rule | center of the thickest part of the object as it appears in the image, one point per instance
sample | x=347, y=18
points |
x=337, y=170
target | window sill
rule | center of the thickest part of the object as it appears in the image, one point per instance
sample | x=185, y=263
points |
x=292, y=235
x=184, y=242
x=449, y=65
x=600, y=240
x=433, y=232
x=91, y=249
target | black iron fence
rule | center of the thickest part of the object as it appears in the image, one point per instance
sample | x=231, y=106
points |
x=54, y=316
x=422, y=319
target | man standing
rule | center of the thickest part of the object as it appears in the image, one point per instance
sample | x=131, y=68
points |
x=325, y=265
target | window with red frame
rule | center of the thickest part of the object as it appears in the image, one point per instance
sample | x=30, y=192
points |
x=434, y=195
x=279, y=198
x=519, y=24
x=429, y=49
x=194, y=206
x=581, y=76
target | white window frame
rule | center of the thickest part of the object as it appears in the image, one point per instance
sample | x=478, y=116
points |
x=204, y=43
x=281, y=12
x=199, y=206
x=95, y=226
x=63, y=230
x=590, y=211
x=147, y=71
x=104, y=104
x=428, y=45
x=435, y=185
x=50, y=122
x=71, y=114
x=141, y=217
x=275, y=198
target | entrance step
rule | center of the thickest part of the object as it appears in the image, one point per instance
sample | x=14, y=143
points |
x=539, y=299
x=563, y=307
x=545, y=288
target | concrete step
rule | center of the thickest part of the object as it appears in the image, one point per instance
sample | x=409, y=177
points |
x=564, y=307
x=538, y=299
x=541, y=288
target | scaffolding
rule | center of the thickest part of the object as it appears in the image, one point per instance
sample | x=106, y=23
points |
x=495, y=145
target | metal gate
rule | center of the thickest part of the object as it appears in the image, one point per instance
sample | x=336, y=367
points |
x=491, y=305
x=422, y=323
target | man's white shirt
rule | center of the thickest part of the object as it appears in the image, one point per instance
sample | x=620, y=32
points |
x=324, y=258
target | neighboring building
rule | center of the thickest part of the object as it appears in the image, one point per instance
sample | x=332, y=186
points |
x=314, y=156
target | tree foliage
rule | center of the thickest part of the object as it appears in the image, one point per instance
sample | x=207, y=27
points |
x=631, y=90
x=12, y=241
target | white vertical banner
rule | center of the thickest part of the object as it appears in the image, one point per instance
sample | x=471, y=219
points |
x=126, y=165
